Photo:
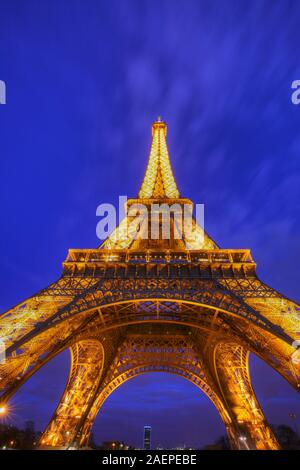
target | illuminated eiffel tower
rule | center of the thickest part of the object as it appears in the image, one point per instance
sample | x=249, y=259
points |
x=136, y=305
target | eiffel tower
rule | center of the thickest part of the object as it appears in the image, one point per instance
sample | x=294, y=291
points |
x=137, y=305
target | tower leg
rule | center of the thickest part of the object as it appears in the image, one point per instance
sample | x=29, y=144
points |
x=86, y=367
x=251, y=430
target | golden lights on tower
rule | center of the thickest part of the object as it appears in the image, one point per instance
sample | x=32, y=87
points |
x=159, y=180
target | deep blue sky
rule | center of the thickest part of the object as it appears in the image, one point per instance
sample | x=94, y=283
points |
x=85, y=79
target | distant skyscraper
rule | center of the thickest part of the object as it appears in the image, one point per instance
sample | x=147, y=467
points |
x=147, y=437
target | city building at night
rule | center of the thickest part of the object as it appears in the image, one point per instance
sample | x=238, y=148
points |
x=147, y=437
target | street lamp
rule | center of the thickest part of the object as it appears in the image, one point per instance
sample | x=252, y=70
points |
x=293, y=417
x=243, y=439
x=3, y=410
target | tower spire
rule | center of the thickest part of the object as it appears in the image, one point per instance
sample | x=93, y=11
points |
x=159, y=181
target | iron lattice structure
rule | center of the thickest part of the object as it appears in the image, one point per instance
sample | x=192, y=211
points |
x=137, y=305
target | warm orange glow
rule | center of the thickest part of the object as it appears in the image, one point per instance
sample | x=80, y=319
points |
x=3, y=410
x=159, y=180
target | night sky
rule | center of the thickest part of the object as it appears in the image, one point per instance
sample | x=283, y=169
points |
x=85, y=80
